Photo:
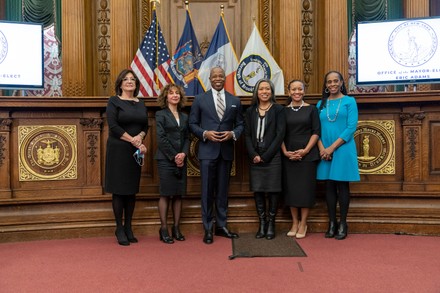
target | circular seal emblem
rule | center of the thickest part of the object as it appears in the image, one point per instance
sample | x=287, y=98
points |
x=3, y=47
x=250, y=70
x=375, y=147
x=47, y=154
x=412, y=43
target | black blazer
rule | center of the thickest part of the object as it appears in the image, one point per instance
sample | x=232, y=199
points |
x=274, y=132
x=171, y=138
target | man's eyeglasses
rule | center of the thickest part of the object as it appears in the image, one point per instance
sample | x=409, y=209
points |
x=139, y=157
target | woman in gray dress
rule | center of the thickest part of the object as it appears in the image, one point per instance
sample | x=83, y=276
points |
x=264, y=132
x=172, y=149
x=128, y=125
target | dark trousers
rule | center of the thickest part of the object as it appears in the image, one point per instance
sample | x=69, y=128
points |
x=215, y=185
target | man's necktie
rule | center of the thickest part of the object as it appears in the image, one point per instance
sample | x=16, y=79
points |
x=220, y=106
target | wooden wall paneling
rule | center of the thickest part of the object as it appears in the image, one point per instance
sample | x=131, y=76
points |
x=74, y=49
x=434, y=143
x=394, y=203
x=334, y=30
x=416, y=8
x=5, y=155
x=123, y=44
x=412, y=119
x=291, y=41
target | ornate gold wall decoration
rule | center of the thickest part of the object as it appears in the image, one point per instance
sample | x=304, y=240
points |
x=47, y=152
x=193, y=169
x=375, y=142
x=103, y=18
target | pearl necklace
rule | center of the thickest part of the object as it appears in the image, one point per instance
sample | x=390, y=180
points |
x=299, y=108
x=337, y=111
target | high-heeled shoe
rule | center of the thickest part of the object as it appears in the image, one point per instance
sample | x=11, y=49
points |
x=301, y=235
x=165, y=237
x=175, y=232
x=332, y=229
x=122, y=238
x=130, y=235
x=292, y=232
x=342, y=231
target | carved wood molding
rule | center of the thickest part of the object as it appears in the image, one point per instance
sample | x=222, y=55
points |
x=412, y=118
x=145, y=16
x=307, y=40
x=5, y=124
x=265, y=16
x=3, y=141
x=92, y=147
x=103, y=19
x=412, y=138
x=91, y=123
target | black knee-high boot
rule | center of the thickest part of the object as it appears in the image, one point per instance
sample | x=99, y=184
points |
x=344, y=203
x=331, y=199
x=260, y=204
x=273, y=207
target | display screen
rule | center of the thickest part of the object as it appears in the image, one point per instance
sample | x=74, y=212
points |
x=21, y=55
x=398, y=52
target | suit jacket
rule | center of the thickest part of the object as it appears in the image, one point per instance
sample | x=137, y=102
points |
x=203, y=117
x=274, y=132
x=171, y=138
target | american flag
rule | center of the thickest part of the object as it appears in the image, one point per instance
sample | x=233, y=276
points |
x=152, y=61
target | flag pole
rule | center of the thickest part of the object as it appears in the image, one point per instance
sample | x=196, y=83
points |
x=186, y=5
x=156, y=80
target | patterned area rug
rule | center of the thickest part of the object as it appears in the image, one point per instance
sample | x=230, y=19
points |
x=248, y=246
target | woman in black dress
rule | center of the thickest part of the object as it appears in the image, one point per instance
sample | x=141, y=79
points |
x=264, y=132
x=301, y=157
x=128, y=125
x=172, y=150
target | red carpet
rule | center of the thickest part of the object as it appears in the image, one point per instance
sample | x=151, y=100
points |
x=361, y=263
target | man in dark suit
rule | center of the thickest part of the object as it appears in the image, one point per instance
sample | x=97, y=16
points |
x=216, y=118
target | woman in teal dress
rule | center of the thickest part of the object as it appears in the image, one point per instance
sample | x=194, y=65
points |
x=338, y=114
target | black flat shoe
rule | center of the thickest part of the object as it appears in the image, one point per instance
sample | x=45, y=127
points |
x=122, y=238
x=130, y=235
x=165, y=237
x=177, y=234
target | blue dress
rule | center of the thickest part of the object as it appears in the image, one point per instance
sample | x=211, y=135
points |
x=339, y=120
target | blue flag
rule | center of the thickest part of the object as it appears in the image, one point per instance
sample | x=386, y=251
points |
x=186, y=61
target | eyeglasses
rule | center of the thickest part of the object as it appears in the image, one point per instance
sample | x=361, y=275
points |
x=139, y=157
x=129, y=79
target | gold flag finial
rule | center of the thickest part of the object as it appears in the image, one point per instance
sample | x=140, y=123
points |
x=222, y=9
x=186, y=5
x=154, y=3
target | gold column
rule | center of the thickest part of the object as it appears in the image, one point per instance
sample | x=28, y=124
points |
x=416, y=8
x=335, y=36
x=123, y=31
x=74, y=52
x=290, y=40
